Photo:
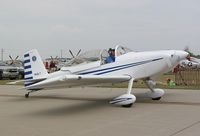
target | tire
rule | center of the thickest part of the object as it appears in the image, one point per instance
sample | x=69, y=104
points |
x=21, y=75
x=156, y=99
x=27, y=95
x=127, y=106
x=1, y=77
x=12, y=78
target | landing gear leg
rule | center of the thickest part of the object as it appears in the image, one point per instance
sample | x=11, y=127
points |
x=125, y=100
x=27, y=94
x=130, y=85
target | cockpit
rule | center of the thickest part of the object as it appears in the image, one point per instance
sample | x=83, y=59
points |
x=111, y=55
x=105, y=56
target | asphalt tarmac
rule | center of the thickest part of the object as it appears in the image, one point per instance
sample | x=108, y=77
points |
x=87, y=112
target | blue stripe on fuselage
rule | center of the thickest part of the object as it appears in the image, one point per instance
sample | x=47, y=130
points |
x=84, y=73
x=111, y=69
x=119, y=69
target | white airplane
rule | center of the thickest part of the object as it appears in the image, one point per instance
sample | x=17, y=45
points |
x=128, y=66
x=190, y=62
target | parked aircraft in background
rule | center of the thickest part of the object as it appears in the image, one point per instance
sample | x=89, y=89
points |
x=190, y=62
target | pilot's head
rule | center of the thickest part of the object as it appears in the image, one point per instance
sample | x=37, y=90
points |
x=110, y=51
x=113, y=52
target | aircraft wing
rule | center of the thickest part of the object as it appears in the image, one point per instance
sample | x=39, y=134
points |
x=77, y=80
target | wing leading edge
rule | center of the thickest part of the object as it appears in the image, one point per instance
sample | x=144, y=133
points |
x=77, y=80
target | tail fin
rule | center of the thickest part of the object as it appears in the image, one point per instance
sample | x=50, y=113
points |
x=34, y=69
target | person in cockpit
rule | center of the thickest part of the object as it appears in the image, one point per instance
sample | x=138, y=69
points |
x=111, y=57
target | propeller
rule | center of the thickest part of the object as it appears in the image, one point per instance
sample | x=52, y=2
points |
x=13, y=60
x=74, y=58
x=54, y=59
x=187, y=49
x=72, y=54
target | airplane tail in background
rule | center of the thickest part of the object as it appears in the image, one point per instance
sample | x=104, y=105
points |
x=34, y=69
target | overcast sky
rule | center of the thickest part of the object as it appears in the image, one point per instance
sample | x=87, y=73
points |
x=52, y=25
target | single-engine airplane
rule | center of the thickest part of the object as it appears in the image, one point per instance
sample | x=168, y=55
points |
x=126, y=67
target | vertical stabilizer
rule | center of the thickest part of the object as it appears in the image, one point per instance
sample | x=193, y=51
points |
x=34, y=69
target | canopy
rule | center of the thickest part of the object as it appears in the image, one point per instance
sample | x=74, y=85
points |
x=96, y=55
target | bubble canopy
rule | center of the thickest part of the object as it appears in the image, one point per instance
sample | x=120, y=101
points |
x=96, y=55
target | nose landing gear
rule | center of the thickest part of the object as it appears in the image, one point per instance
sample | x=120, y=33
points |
x=154, y=93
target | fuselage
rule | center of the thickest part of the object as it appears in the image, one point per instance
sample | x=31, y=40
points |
x=136, y=64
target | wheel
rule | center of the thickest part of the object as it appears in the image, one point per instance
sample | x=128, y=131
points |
x=156, y=99
x=21, y=75
x=27, y=95
x=127, y=106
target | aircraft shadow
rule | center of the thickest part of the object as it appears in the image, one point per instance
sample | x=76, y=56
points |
x=74, y=109
x=79, y=106
x=83, y=104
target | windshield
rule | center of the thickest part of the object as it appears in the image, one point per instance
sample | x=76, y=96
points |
x=120, y=50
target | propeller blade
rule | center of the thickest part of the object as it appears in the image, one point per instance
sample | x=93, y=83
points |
x=10, y=57
x=78, y=52
x=71, y=53
x=16, y=57
x=186, y=49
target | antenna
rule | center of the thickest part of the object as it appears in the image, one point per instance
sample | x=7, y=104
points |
x=2, y=52
x=61, y=53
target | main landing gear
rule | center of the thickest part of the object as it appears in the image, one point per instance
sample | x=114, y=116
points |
x=125, y=100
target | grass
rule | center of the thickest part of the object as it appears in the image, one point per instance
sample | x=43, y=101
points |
x=5, y=82
x=140, y=84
